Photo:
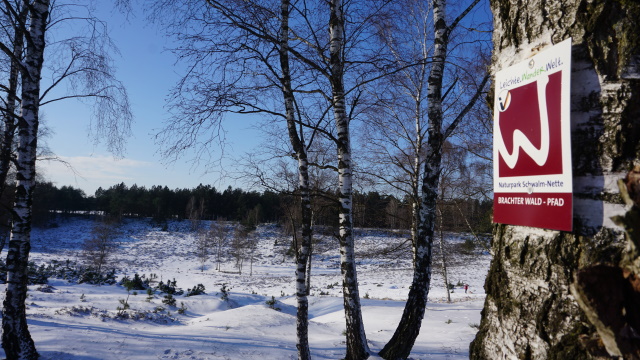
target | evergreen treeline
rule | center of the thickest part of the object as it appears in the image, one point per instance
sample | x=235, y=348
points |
x=205, y=202
x=159, y=202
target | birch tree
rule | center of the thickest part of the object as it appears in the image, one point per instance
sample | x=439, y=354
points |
x=261, y=33
x=400, y=345
x=13, y=18
x=530, y=311
x=16, y=339
x=357, y=347
x=249, y=59
x=90, y=72
x=394, y=134
x=298, y=143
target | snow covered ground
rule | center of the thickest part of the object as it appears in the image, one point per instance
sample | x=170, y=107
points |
x=78, y=321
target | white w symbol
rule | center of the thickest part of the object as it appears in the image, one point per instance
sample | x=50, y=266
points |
x=520, y=140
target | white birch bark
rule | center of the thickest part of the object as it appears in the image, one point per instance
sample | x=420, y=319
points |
x=444, y=258
x=16, y=339
x=415, y=177
x=529, y=311
x=357, y=347
x=401, y=343
x=297, y=142
x=10, y=116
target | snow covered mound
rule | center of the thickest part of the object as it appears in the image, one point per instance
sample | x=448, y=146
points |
x=247, y=310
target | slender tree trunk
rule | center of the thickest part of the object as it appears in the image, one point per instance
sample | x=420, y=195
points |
x=415, y=205
x=307, y=280
x=529, y=311
x=10, y=116
x=303, y=260
x=473, y=232
x=16, y=339
x=444, y=259
x=297, y=142
x=357, y=347
x=401, y=343
x=251, y=259
x=417, y=161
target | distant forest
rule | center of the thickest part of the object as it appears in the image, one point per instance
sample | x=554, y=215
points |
x=205, y=202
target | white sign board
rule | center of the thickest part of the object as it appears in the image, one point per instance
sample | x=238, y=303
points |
x=532, y=143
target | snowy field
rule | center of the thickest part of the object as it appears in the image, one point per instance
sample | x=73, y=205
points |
x=79, y=322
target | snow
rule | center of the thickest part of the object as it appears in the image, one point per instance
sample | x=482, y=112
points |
x=77, y=321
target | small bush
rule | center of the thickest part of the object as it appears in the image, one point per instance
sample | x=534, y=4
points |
x=170, y=288
x=182, y=309
x=451, y=286
x=169, y=300
x=66, y=270
x=137, y=283
x=98, y=249
x=331, y=286
x=150, y=295
x=272, y=303
x=224, y=291
x=93, y=277
x=197, y=290
x=468, y=246
x=122, y=309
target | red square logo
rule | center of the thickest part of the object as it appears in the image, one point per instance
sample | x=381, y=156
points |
x=529, y=122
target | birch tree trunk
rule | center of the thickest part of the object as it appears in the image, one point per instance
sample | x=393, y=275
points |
x=297, y=142
x=401, y=343
x=357, y=347
x=444, y=258
x=16, y=339
x=307, y=280
x=529, y=311
x=10, y=116
x=415, y=178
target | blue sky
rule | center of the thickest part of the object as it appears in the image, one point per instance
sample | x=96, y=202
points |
x=148, y=71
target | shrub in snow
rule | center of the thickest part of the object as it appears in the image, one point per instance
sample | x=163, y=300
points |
x=182, y=309
x=97, y=249
x=91, y=276
x=72, y=272
x=272, y=303
x=138, y=315
x=67, y=270
x=197, y=290
x=169, y=300
x=122, y=309
x=170, y=288
x=224, y=291
x=46, y=289
x=81, y=311
x=150, y=294
x=37, y=274
x=137, y=283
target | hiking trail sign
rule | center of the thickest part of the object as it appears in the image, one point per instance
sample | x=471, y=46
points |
x=532, y=182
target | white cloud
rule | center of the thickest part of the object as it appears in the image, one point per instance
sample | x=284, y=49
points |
x=91, y=172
